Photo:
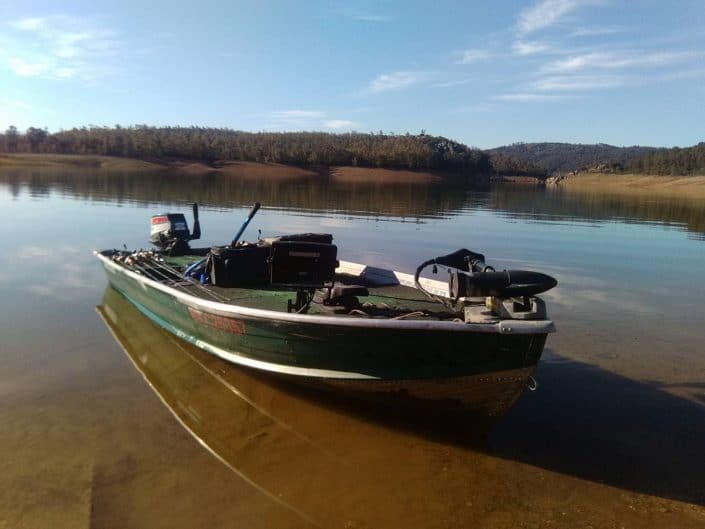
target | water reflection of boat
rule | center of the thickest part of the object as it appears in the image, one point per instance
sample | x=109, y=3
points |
x=408, y=342
x=327, y=466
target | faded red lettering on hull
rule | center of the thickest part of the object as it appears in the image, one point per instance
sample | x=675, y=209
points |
x=217, y=322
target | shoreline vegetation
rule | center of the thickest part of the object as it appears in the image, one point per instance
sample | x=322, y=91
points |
x=193, y=147
x=354, y=157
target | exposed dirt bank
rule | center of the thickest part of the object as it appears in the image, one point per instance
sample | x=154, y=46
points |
x=254, y=170
x=680, y=186
x=77, y=160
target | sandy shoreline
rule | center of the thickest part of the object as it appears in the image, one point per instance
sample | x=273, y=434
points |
x=90, y=161
x=692, y=187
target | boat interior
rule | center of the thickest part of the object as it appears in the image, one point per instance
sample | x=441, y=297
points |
x=354, y=290
x=301, y=273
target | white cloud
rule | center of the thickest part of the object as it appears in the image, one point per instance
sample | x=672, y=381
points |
x=597, y=31
x=363, y=16
x=338, y=124
x=526, y=97
x=472, y=55
x=611, y=60
x=58, y=47
x=302, y=119
x=546, y=13
x=452, y=82
x=23, y=68
x=307, y=119
x=396, y=81
x=29, y=23
x=578, y=83
x=529, y=48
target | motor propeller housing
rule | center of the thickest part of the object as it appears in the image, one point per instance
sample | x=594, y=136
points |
x=505, y=284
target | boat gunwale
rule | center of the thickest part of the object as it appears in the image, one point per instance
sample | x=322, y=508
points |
x=227, y=309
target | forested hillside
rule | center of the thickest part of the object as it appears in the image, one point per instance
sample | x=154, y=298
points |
x=566, y=157
x=297, y=148
x=209, y=145
x=676, y=161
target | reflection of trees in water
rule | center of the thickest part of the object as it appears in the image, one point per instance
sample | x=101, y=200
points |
x=323, y=193
x=556, y=204
x=305, y=193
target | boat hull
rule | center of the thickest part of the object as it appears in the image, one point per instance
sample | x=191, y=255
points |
x=409, y=366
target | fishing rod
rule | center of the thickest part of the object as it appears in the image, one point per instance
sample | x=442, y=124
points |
x=150, y=266
x=242, y=229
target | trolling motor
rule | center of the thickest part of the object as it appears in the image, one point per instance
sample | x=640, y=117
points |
x=471, y=277
x=170, y=233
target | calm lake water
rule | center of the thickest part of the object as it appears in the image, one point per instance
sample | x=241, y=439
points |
x=92, y=436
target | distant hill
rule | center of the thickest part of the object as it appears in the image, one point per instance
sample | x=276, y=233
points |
x=566, y=157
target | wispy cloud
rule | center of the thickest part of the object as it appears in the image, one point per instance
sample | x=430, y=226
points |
x=58, y=47
x=396, y=81
x=452, y=82
x=372, y=18
x=307, y=119
x=339, y=124
x=546, y=13
x=578, y=83
x=472, y=56
x=527, y=97
x=296, y=118
x=598, y=31
x=690, y=73
x=363, y=16
x=616, y=59
x=529, y=47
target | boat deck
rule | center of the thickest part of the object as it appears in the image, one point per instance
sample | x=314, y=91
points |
x=384, y=300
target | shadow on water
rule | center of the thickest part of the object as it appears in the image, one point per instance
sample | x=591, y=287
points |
x=588, y=422
x=583, y=422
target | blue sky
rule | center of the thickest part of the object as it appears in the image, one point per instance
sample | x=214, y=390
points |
x=484, y=73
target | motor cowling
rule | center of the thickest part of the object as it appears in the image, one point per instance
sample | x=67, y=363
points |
x=167, y=228
x=170, y=232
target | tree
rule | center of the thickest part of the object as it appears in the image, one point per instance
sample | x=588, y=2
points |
x=36, y=137
x=11, y=138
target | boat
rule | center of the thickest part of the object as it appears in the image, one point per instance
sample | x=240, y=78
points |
x=286, y=306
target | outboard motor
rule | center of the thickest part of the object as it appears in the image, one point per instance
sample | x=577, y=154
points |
x=170, y=232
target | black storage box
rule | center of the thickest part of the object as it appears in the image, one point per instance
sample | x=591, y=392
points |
x=303, y=264
x=245, y=265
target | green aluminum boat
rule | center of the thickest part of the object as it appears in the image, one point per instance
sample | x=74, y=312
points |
x=288, y=307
